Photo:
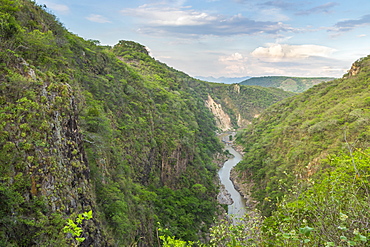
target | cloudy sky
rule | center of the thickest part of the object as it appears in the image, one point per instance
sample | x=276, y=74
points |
x=231, y=38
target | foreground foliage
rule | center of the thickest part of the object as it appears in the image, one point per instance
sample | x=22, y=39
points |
x=330, y=209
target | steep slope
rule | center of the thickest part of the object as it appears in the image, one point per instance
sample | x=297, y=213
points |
x=235, y=106
x=110, y=130
x=83, y=130
x=293, y=84
x=288, y=142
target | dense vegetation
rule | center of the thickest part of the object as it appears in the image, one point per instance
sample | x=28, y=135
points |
x=293, y=84
x=109, y=130
x=305, y=158
x=241, y=103
x=330, y=209
x=99, y=144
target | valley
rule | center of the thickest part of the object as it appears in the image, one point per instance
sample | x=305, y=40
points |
x=237, y=208
x=107, y=146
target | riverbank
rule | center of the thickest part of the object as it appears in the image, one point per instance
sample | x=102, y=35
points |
x=224, y=197
x=243, y=186
x=242, y=183
x=237, y=208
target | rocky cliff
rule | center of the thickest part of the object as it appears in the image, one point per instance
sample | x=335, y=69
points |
x=223, y=121
x=235, y=106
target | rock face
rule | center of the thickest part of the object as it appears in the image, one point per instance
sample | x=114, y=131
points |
x=223, y=120
x=243, y=122
x=224, y=196
x=355, y=69
x=243, y=187
x=66, y=181
x=174, y=164
x=47, y=158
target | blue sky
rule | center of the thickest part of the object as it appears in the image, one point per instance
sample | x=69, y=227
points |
x=232, y=38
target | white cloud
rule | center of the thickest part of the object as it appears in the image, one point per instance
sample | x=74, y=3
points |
x=284, y=51
x=324, y=8
x=272, y=14
x=61, y=8
x=235, y=64
x=348, y=25
x=159, y=19
x=97, y=18
x=281, y=59
x=233, y=57
x=169, y=16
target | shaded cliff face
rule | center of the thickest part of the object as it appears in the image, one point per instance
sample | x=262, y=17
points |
x=43, y=158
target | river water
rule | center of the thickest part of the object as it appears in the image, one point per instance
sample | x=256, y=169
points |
x=237, y=209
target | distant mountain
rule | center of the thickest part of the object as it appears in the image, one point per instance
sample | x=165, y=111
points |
x=226, y=80
x=293, y=84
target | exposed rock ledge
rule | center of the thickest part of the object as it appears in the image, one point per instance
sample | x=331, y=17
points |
x=223, y=120
x=243, y=186
x=224, y=196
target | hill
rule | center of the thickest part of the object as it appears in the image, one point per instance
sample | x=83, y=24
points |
x=105, y=132
x=226, y=80
x=293, y=84
x=306, y=161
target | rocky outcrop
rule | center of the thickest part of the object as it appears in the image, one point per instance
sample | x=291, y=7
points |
x=243, y=122
x=243, y=185
x=173, y=165
x=223, y=120
x=355, y=69
x=224, y=196
x=50, y=158
x=64, y=177
x=237, y=88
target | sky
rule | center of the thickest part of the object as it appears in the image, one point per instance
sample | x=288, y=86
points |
x=234, y=38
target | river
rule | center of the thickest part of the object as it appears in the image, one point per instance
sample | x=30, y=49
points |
x=237, y=209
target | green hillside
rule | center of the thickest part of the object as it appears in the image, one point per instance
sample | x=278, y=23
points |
x=293, y=84
x=241, y=103
x=108, y=132
x=307, y=160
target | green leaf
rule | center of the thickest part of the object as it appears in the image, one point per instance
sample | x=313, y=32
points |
x=351, y=243
x=342, y=228
x=329, y=244
x=362, y=238
x=343, y=238
x=286, y=235
x=80, y=239
x=306, y=230
x=87, y=215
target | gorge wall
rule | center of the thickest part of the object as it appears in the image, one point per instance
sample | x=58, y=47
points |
x=107, y=129
x=235, y=106
x=223, y=121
